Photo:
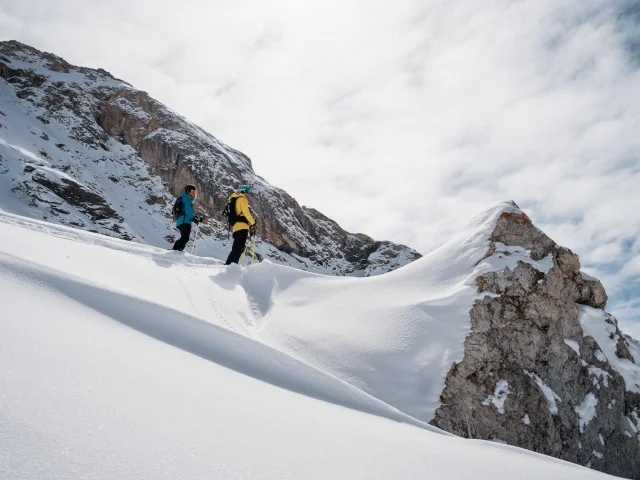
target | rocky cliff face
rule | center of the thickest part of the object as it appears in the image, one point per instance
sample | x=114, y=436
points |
x=545, y=367
x=93, y=118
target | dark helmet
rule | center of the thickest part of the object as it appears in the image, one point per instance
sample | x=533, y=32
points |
x=189, y=187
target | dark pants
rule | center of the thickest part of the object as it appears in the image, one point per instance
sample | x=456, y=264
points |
x=239, y=242
x=185, y=232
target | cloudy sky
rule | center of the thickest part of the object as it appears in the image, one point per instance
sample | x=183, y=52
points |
x=399, y=119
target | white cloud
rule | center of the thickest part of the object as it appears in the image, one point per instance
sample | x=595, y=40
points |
x=632, y=267
x=627, y=311
x=401, y=120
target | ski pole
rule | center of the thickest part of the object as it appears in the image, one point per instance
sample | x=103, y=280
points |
x=253, y=251
x=244, y=253
x=195, y=239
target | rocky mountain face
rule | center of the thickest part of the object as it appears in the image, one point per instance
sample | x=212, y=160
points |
x=545, y=367
x=82, y=148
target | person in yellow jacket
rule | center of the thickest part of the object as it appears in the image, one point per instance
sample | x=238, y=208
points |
x=241, y=221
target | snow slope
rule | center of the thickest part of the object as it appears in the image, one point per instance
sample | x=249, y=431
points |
x=119, y=360
x=48, y=151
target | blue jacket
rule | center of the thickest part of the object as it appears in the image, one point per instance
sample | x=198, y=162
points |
x=189, y=214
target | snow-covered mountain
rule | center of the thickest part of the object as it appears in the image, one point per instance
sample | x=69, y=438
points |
x=79, y=147
x=120, y=360
x=496, y=335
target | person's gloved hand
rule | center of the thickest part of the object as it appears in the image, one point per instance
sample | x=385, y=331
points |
x=196, y=220
x=252, y=230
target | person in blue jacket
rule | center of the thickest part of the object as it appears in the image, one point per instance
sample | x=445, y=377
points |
x=184, y=221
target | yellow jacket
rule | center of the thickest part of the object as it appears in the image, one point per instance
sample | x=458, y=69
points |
x=242, y=208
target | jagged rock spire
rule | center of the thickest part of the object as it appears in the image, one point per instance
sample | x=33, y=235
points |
x=532, y=376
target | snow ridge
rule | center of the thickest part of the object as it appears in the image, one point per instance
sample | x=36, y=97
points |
x=147, y=355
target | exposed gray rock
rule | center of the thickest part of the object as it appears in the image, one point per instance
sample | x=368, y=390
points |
x=79, y=196
x=524, y=333
x=181, y=153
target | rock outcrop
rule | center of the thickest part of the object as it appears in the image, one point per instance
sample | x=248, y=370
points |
x=95, y=109
x=533, y=375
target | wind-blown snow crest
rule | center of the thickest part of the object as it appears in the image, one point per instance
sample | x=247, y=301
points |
x=414, y=320
x=134, y=362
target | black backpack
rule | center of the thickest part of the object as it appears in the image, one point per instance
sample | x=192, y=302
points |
x=178, y=209
x=230, y=212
